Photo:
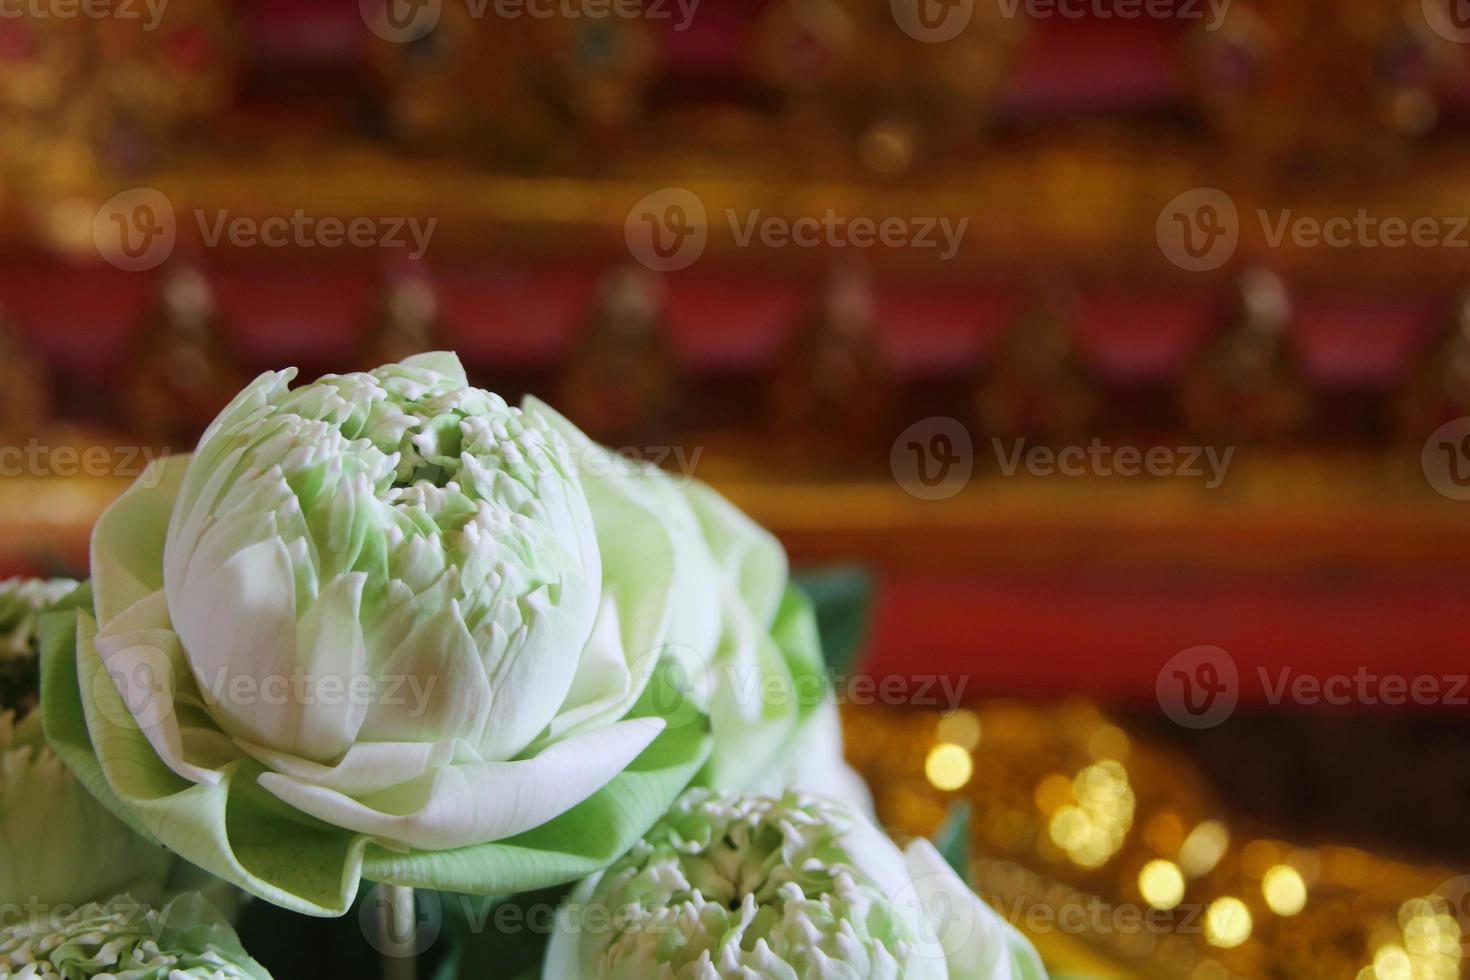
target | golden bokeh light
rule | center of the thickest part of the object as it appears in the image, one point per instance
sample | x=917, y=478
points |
x=1203, y=848
x=1391, y=962
x=1090, y=813
x=1162, y=884
x=1284, y=890
x=1431, y=944
x=1070, y=827
x=1227, y=922
x=948, y=766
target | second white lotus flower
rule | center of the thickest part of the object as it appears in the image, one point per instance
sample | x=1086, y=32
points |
x=789, y=888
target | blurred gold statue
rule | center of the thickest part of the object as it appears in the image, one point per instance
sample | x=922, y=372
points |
x=25, y=398
x=1438, y=390
x=181, y=375
x=1245, y=387
x=620, y=381
x=406, y=323
x=1038, y=385
x=831, y=399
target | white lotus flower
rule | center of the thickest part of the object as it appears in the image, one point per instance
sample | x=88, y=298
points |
x=121, y=939
x=791, y=888
x=384, y=625
x=382, y=588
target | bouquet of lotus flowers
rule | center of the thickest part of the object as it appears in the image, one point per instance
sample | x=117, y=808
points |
x=386, y=627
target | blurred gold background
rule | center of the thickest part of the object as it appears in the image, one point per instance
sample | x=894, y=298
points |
x=1235, y=228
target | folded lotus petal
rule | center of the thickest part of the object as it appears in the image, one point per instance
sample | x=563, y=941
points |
x=128, y=540
x=607, y=683
x=434, y=686
x=366, y=768
x=237, y=620
x=455, y=806
x=332, y=656
x=749, y=554
x=144, y=680
x=640, y=556
x=753, y=702
x=531, y=679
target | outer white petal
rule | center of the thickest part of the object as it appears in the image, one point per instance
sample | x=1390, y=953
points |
x=748, y=554
x=978, y=944
x=237, y=621
x=128, y=540
x=147, y=666
x=461, y=805
x=367, y=767
x=646, y=567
